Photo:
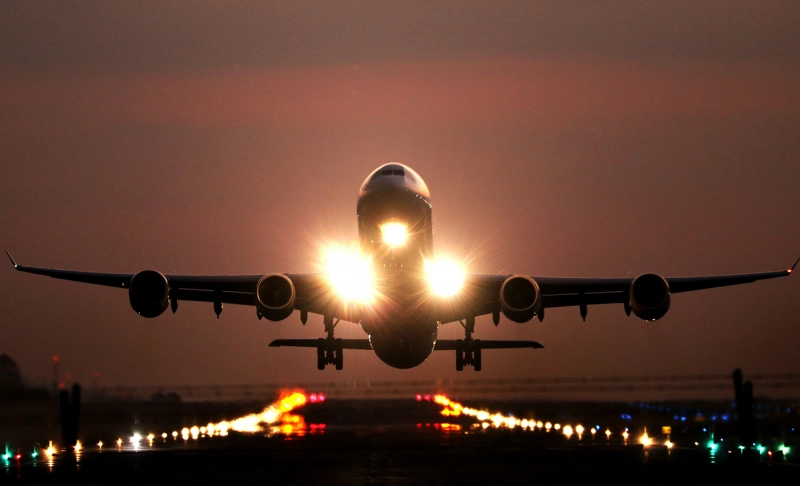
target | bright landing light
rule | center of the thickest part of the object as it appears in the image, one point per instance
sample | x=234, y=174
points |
x=349, y=274
x=445, y=277
x=394, y=233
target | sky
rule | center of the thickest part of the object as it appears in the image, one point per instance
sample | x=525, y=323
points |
x=586, y=139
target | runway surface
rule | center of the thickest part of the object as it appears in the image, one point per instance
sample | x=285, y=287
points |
x=421, y=440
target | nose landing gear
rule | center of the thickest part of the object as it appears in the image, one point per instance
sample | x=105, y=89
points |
x=329, y=349
x=468, y=350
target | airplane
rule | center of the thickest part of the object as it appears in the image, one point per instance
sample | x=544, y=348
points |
x=394, y=287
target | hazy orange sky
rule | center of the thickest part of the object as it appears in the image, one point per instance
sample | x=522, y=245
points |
x=557, y=138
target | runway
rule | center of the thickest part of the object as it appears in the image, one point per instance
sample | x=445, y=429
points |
x=414, y=441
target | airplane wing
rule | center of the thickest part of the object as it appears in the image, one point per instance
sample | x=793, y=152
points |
x=312, y=289
x=481, y=293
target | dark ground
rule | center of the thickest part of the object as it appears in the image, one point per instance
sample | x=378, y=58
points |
x=403, y=442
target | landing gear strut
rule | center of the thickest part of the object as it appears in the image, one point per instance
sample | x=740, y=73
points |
x=468, y=350
x=329, y=349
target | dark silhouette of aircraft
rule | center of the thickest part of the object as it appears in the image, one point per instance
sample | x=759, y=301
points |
x=394, y=287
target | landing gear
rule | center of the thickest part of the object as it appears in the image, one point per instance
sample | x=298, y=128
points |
x=468, y=350
x=329, y=349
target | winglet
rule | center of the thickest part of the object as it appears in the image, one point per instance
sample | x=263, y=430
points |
x=795, y=264
x=15, y=263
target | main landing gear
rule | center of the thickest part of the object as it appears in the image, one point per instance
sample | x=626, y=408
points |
x=468, y=350
x=329, y=349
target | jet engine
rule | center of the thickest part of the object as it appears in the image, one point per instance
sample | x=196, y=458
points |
x=275, y=296
x=520, y=298
x=649, y=296
x=149, y=293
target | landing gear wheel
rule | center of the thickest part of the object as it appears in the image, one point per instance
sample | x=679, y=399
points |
x=338, y=356
x=459, y=355
x=321, y=361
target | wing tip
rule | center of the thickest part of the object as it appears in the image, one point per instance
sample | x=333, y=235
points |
x=793, y=266
x=12, y=260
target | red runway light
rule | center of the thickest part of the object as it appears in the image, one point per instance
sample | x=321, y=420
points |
x=321, y=397
x=427, y=398
x=419, y=397
x=313, y=398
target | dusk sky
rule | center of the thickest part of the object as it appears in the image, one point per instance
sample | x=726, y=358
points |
x=585, y=139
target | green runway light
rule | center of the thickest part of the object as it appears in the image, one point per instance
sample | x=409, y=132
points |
x=761, y=449
x=784, y=449
x=34, y=454
x=712, y=445
x=7, y=455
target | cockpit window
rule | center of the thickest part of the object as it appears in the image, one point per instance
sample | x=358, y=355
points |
x=399, y=172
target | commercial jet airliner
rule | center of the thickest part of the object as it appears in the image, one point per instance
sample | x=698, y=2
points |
x=395, y=288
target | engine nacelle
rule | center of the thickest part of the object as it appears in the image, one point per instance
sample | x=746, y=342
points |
x=275, y=296
x=149, y=293
x=649, y=296
x=520, y=298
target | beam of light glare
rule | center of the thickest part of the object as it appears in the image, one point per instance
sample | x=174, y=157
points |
x=445, y=277
x=394, y=234
x=349, y=274
x=278, y=411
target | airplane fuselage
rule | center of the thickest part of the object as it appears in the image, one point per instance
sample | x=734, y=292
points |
x=401, y=324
